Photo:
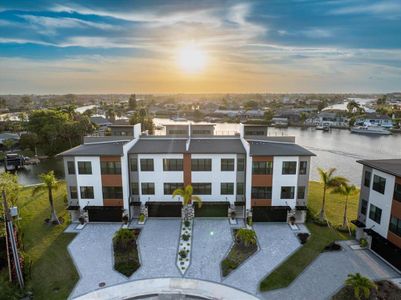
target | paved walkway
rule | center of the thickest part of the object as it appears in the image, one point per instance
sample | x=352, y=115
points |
x=328, y=272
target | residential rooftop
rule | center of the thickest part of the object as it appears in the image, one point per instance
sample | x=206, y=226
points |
x=95, y=149
x=390, y=166
x=275, y=148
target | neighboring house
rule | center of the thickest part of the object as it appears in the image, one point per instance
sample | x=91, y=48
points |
x=333, y=119
x=375, y=119
x=379, y=213
x=9, y=136
x=265, y=176
x=100, y=121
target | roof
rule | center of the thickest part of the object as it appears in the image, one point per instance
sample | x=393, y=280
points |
x=100, y=121
x=219, y=145
x=96, y=149
x=390, y=166
x=270, y=148
x=156, y=145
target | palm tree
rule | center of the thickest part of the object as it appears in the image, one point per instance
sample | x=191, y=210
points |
x=49, y=183
x=187, y=199
x=345, y=190
x=360, y=283
x=353, y=105
x=246, y=236
x=329, y=181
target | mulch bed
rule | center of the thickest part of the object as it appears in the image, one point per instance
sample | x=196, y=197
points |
x=386, y=290
x=126, y=259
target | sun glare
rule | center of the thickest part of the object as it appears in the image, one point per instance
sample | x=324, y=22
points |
x=191, y=59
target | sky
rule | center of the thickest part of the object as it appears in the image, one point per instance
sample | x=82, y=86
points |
x=276, y=46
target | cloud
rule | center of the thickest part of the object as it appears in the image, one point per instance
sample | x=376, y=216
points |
x=385, y=9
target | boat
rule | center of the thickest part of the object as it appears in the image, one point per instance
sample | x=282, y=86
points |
x=365, y=129
x=323, y=126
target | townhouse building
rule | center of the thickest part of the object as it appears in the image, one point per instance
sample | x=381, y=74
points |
x=379, y=212
x=249, y=173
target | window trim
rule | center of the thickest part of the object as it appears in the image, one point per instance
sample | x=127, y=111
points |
x=261, y=192
x=173, y=164
x=227, y=164
x=83, y=190
x=257, y=169
x=172, y=188
x=373, y=214
x=377, y=185
x=397, y=229
x=82, y=165
x=71, y=192
x=196, y=164
x=145, y=186
x=288, y=170
x=367, y=178
x=112, y=192
x=292, y=191
x=69, y=164
x=227, y=188
x=146, y=162
x=303, y=169
x=301, y=188
x=206, y=186
x=110, y=167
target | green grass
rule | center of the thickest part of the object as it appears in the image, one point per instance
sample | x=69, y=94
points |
x=334, y=204
x=286, y=273
x=53, y=274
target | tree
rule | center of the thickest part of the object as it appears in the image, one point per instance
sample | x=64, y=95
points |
x=245, y=236
x=322, y=104
x=49, y=183
x=8, y=144
x=329, y=181
x=187, y=196
x=9, y=184
x=353, y=106
x=346, y=190
x=132, y=102
x=268, y=116
x=251, y=104
x=144, y=119
x=360, y=284
x=26, y=102
x=382, y=100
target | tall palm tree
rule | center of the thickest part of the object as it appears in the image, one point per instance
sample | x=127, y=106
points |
x=187, y=197
x=360, y=283
x=329, y=181
x=49, y=183
x=346, y=190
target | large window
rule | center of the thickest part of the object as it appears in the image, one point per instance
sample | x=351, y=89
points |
x=366, y=179
x=201, y=164
x=395, y=225
x=379, y=184
x=364, y=206
x=240, y=164
x=397, y=192
x=110, y=167
x=172, y=164
x=133, y=164
x=262, y=167
x=303, y=167
x=375, y=213
x=289, y=167
x=147, y=165
x=227, y=164
x=226, y=188
x=261, y=192
x=73, y=192
x=134, y=188
x=84, y=167
x=287, y=192
x=170, y=187
x=86, y=192
x=148, y=188
x=112, y=192
x=71, y=167
x=202, y=188
x=240, y=188
x=301, y=192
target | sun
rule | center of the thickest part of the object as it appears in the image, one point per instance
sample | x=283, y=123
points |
x=191, y=58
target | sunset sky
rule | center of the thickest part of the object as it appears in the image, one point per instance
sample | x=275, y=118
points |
x=49, y=46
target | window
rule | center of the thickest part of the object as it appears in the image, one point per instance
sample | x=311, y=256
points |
x=147, y=164
x=289, y=167
x=201, y=164
x=287, y=192
x=71, y=167
x=172, y=164
x=226, y=188
x=201, y=131
x=262, y=167
x=110, y=167
x=395, y=225
x=301, y=192
x=240, y=164
x=240, y=188
x=227, y=164
x=303, y=167
x=73, y=192
x=397, y=192
x=177, y=131
x=202, y=188
x=364, y=206
x=84, y=167
x=134, y=164
x=112, y=192
x=261, y=192
x=169, y=188
x=87, y=192
x=379, y=184
x=367, y=177
x=134, y=188
x=148, y=188
x=375, y=213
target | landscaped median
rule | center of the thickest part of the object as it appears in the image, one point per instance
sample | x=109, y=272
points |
x=126, y=256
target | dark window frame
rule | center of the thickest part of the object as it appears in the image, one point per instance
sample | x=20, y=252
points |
x=226, y=188
x=303, y=167
x=71, y=167
x=379, y=184
x=110, y=167
x=289, y=168
x=288, y=195
x=395, y=225
x=201, y=165
x=112, y=192
x=397, y=192
x=87, y=192
x=133, y=164
x=73, y=194
x=240, y=188
x=173, y=164
x=148, y=188
x=202, y=188
x=262, y=167
x=170, y=187
x=134, y=188
x=301, y=192
x=240, y=164
x=147, y=165
x=367, y=177
x=83, y=168
x=227, y=164
x=375, y=213
x=364, y=207
x=261, y=192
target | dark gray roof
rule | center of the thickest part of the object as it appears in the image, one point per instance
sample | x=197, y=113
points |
x=277, y=149
x=100, y=121
x=390, y=166
x=156, y=145
x=213, y=145
x=98, y=149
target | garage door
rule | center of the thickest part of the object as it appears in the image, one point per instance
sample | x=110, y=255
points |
x=212, y=210
x=387, y=250
x=267, y=214
x=105, y=213
x=164, y=209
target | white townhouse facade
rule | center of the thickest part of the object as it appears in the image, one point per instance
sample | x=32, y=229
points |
x=249, y=173
x=379, y=213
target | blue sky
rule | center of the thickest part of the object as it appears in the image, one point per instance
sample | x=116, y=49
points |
x=251, y=46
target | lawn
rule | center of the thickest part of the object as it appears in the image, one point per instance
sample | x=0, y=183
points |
x=53, y=274
x=334, y=204
x=296, y=263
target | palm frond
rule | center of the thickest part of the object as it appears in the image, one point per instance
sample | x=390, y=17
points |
x=38, y=189
x=178, y=192
x=198, y=200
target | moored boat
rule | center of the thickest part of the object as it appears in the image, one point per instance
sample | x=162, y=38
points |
x=370, y=130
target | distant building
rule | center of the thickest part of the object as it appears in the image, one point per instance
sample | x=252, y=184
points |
x=333, y=119
x=375, y=119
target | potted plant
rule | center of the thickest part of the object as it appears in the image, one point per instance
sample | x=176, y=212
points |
x=233, y=215
x=183, y=253
x=363, y=243
x=125, y=219
x=141, y=219
x=81, y=220
x=292, y=220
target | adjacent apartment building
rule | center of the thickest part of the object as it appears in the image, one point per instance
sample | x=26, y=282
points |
x=379, y=213
x=249, y=173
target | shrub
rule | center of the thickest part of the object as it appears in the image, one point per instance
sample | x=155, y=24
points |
x=246, y=237
x=249, y=221
x=233, y=214
x=333, y=246
x=303, y=237
x=187, y=223
x=126, y=258
x=322, y=223
x=123, y=239
x=363, y=242
x=183, y=253
x=141, y=218
x=185, y=237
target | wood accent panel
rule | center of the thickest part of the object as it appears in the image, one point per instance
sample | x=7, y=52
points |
x=187, y=169
x=396, y=209
x=262, y=158
x=395, y=239
x=261, y=202
x=110, y=158
x=113, y=202
x=262, y=180
x=112, y=180
x=398, y=180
